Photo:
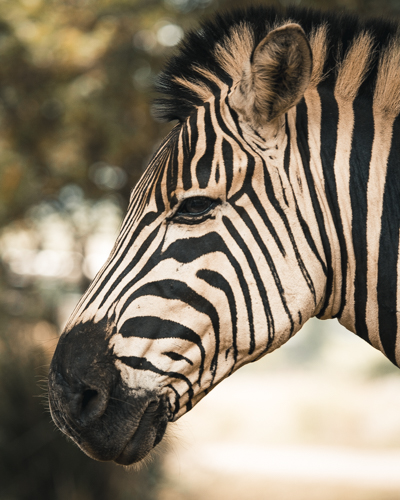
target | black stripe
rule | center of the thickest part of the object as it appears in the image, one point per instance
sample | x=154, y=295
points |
x=177, y=396
x=360, y=158
x=227, y=155
x=172, y=171
x=283, y=190
x=190, y=151
x=329, y=124
x=286, y=158
x=203, y=167
x=177, y=357
x=388, y=245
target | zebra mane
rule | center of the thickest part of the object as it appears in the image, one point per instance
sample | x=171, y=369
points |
x=211, y=57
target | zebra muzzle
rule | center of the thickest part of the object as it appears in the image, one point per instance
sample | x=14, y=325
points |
x=92, y=405
x=122, y=426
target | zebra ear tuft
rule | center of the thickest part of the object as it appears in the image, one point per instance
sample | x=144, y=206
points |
x=276, y=78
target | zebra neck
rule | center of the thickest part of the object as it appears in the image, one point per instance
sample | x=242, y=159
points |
x=353, y=163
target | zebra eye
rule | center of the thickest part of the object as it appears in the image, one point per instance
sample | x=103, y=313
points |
x=198, y=205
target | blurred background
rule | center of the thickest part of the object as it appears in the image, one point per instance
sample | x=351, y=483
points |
x=76, y=132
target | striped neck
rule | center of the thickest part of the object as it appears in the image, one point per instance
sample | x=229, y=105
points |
x=349, y=152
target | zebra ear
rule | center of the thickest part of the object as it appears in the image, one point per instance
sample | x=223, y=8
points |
x=276, y=77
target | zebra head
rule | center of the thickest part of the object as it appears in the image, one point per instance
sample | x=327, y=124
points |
x=215, y=264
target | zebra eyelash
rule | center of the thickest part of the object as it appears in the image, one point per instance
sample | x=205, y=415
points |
x=186, y=214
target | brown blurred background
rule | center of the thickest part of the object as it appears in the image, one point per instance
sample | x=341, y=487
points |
x=76, y=133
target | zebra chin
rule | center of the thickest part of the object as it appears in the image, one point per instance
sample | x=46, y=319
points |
x=92, y=405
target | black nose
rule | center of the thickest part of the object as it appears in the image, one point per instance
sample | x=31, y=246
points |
x=82, y=375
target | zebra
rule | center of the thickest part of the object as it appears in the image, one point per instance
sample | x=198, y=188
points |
x=273, y=199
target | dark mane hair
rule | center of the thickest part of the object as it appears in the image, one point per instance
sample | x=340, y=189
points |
x=197, y=50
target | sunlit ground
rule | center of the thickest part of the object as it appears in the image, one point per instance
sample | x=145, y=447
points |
x=318, y=419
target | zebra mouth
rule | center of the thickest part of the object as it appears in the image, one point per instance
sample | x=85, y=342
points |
x=148, y=434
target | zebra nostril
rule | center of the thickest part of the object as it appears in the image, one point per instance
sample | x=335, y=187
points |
x=90, y=402
x=87, y=406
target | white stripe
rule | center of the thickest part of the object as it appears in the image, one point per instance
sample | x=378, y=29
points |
x=342, y=178
x=375, y=190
